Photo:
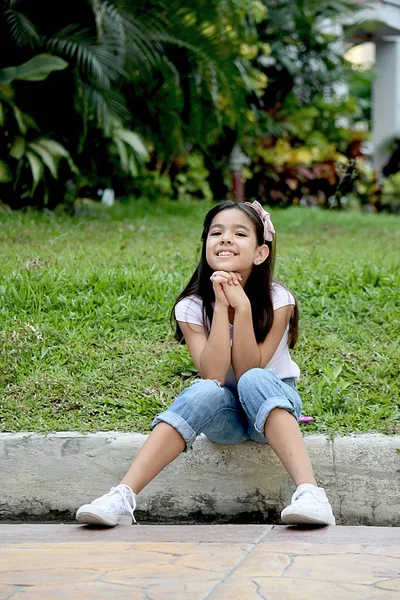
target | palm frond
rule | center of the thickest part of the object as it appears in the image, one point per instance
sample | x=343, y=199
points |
x=94, y=61
x=47, y=158
x=51, y=152
x=22, y=30
x=110, y=30
x=199, y=83
x=216, y=76
x=133, y=140
x=120, y=22
x=107, y=106
x=131, y=149
x=37, y=169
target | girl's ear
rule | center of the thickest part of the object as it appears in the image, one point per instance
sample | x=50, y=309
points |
x=261, y=254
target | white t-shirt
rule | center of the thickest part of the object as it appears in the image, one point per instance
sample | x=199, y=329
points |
x=190, y=310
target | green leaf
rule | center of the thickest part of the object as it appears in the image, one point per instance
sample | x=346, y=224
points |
x=24, y=121
x=35, y=69
x=133, y=170
x=30, y=122
x=46, y=156
x=7, y=75
x=5, y=173
x=7, y=92
x=123, y=154
x=133, y=140
x=337, y=371
x=39, y=67
x=54, y=147
x=36, y=168
x=18, y=148
x=19, y=117
x=57, y=150
x=2, y=118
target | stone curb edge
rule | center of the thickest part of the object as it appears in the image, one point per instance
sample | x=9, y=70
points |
x=48, y=476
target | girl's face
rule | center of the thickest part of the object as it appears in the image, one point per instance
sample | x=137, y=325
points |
x=232, y=243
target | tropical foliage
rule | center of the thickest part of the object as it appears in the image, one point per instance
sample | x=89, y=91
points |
x=149, y=97
x=304, y=120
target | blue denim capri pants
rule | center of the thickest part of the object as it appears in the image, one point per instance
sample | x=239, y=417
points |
x=229, y=416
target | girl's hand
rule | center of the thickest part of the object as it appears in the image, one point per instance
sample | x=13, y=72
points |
x=228, y=284
x=218, y=278
x=235, y=295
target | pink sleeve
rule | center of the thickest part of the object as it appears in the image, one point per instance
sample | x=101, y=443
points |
x=281, y=296
x=190, y=310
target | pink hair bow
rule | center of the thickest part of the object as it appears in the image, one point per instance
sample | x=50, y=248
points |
x=265, y=218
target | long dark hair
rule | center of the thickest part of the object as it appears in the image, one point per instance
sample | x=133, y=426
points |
x=258, y=286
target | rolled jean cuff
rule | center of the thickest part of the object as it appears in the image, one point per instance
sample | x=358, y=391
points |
x=181, y=426
x=269, y=405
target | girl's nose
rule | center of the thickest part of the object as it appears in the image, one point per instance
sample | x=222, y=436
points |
x=226, y=238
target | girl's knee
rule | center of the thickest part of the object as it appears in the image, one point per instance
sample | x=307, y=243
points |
x=208, y=383
x=253, y=376
x=206, y=387
x=204, y=393
x=194, y=407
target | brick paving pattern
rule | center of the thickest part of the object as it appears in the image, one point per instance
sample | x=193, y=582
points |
x=199, y=562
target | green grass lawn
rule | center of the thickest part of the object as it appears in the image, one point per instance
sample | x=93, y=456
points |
x=84, y=315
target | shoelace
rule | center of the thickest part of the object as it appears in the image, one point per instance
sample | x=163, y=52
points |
x=123, y=492
x=298, y=494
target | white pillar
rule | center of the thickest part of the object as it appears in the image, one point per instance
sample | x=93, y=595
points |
x=385, y=97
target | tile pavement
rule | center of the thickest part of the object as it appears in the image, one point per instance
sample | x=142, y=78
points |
x=199, y=562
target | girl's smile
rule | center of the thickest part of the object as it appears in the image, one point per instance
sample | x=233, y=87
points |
x=224, y=254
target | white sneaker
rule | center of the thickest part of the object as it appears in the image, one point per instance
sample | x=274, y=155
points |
x=310, y=506
x=114, y=508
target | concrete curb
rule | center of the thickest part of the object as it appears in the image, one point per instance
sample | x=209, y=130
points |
x=48, y=476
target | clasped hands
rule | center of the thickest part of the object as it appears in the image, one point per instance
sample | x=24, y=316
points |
x=228, y=291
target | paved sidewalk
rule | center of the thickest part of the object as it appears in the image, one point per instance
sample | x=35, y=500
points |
x=199, y=562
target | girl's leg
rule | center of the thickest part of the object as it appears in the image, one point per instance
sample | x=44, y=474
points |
x=272, y=408
x=203, y=407
x=284, y=437
x=162, y=446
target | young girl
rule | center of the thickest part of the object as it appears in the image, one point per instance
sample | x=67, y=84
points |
x=237, y=322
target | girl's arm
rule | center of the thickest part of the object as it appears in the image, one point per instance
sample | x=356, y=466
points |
x=212, y=355
x=246, y=353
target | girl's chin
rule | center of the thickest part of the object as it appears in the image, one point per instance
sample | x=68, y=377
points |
x=227, y=264
x=225, y=259
x=229, y=267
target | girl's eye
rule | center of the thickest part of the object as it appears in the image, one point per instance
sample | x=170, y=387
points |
x=215, y=233
x=241, y=234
